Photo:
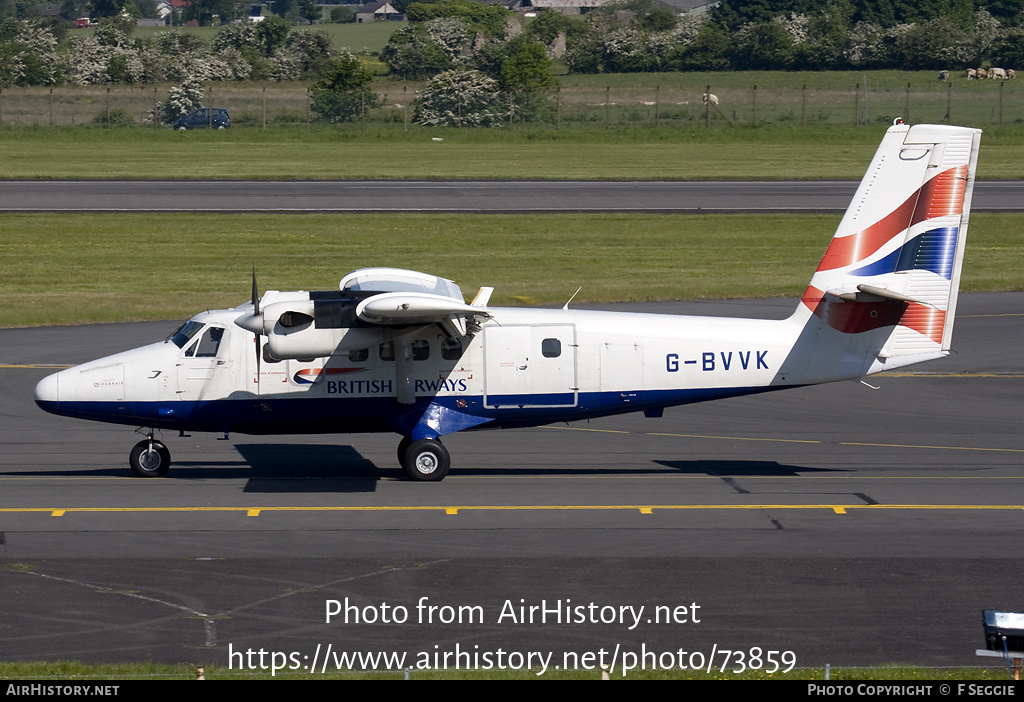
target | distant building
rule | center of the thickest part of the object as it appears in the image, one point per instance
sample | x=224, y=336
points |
x=566, y=7
x=377, y=12
x=691, y=7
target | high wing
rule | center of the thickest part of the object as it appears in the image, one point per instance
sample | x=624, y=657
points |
x=410, y=297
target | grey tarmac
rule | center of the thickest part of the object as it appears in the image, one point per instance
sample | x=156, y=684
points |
x=495, y=197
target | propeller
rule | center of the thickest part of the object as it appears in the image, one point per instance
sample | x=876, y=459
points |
x=253, y=322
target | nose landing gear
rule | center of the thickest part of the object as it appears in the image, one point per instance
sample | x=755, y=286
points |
x=149, y=458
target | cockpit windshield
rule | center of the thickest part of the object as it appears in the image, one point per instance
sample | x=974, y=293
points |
x=185, y=332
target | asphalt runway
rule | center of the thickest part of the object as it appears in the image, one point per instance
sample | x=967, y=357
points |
x=840, y=523
x=467, y=196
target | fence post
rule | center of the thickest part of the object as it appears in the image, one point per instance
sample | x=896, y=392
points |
x=707, y=107
x=108, y=108
x=657, y=93
x=753, y=118
x=803, y=106
x=558, y=107
x=51, y=107
x=264, y=107
x=607, y=103
x=949, y=102
x=1001, y=84
x=405, y=107
x=856, y=105
x=906, y=108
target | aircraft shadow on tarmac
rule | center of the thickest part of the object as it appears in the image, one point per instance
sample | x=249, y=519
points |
x=739, y=469
x=297, y=468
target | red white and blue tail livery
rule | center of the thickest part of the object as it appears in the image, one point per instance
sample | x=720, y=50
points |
x=402, y=351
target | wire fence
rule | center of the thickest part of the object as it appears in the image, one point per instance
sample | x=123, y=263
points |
x=266, y=106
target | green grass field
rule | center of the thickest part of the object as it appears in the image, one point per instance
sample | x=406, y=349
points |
x=73, y=269
x=82, y=674
x=351, y=153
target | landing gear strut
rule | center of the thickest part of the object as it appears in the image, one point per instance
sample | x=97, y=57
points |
x=424, y=459
x=150, y=459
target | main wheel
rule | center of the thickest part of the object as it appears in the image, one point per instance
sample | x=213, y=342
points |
x=403, y=446
x=426, y=459
x=149, y=462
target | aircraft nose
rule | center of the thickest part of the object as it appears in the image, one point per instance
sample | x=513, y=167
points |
x=48, y=390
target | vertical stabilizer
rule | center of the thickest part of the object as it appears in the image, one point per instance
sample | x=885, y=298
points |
x=888, y=282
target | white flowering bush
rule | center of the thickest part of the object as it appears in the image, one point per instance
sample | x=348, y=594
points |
x=181, y=100
x=795, y=26
x=461, y=97
x=85, y=62
x=451, y=35
x=29, y=56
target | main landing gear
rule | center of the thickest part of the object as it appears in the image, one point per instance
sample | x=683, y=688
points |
x=424, y=459
x=150, y=459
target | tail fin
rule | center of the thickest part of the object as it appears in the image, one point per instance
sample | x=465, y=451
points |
x=892, y=271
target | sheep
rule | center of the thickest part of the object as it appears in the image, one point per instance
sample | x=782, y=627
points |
x=994, y=73
x=709, y=97
x=982, y=74
x=972, y=74
x=1010, y=74
x=943, y=75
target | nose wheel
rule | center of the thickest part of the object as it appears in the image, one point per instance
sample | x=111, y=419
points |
x=424, y=459
x=149, y=459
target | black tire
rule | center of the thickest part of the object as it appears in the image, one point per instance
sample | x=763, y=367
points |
x=403, y=446
x=148, y=463
x=426, y=460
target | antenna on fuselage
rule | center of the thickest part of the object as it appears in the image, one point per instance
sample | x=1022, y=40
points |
x=566, y=306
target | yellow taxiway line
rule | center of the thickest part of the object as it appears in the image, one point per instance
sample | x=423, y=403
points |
x=456, y=509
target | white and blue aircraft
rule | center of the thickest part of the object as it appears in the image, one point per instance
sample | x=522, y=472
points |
x=400, y=351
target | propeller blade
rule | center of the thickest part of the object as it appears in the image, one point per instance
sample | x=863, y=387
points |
x=255, y=294
x=256, y=327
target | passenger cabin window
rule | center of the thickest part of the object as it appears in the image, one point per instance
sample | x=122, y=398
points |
x=387, y=351
x=207, y=345
x=451, y=349
x=551, y=348
x=359, y=356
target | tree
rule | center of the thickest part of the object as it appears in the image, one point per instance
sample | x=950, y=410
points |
x=489, y=18
x=528, y=75
x=271, y=34
x=460, y=98
x=344, y=90
x=412, y=54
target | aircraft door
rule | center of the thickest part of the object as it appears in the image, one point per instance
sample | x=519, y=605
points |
x=622, y=373
x=530, y=366
x=198, y=363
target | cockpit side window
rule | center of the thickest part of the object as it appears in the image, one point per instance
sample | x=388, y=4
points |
x=184, y=333
x=208, y=344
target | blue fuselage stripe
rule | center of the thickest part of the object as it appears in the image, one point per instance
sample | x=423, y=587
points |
x=265, y=415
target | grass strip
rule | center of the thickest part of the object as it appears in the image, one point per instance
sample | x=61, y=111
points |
x=389, y=153
x=86, y=268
